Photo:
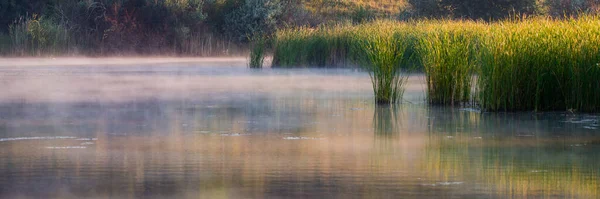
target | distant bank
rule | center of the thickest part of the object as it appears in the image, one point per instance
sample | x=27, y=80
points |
x=120, y=61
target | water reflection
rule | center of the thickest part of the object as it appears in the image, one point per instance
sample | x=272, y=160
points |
x=385, y=121
x=521, y=155
x=333, y=144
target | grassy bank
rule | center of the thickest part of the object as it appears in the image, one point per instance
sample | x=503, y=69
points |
x=537, y=64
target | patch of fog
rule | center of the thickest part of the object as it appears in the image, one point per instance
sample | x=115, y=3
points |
x=474, y=110
x=538, y=171
x=443, y=184
x=87, y=143
x=247, y=122
x=36, y=138
x=588, y=122
x=66, y=147
x=86, y=139
x=525, y=135
x=303, y=138
x=583, y=121
x=234, y=134
x=67, y=80
x=449, y=183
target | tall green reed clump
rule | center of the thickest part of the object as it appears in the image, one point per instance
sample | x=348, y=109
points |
x=448, y=54
x=383, y=49
x=541, y=64
x=313, y=47
x=257, y=51
x=38, y=35
x=519, y=65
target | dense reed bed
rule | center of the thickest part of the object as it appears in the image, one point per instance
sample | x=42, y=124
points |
x=541, y=65
x=319, y=47
x=538, y=64
x=448, y=55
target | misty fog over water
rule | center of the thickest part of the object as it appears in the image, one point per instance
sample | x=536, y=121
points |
x=217, y=129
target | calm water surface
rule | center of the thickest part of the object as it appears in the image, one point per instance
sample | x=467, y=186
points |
x=202, y=131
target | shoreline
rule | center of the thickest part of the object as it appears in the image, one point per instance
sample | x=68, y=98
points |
x=116, y=61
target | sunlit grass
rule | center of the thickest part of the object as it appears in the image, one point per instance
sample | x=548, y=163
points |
x=448, y=54
x=541, y=64
x=536, y=64
x=384, y=51
x=318, y=47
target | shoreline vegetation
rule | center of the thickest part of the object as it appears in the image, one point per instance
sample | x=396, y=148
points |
x=526, y=64
x=522, y=55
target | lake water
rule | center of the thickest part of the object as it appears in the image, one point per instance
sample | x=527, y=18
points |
x=220, y=130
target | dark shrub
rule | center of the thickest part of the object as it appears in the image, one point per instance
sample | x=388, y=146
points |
x=253, y=18
x=427, y=9
x=562, y=8
x=473, y=9
x=362, y=14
